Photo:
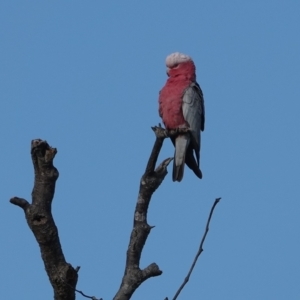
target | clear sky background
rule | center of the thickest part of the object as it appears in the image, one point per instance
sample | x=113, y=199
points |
x=85, y=76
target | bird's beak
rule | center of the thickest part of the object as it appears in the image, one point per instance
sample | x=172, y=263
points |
x=168, y=69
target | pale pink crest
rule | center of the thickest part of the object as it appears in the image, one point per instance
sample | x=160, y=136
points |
x=176, y=58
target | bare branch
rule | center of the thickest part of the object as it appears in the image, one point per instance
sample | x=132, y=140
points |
x=62, y=275
x=19, y=202
x=199, y=251
x=150, y=181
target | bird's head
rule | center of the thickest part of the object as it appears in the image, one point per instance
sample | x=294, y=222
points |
x=179, y=61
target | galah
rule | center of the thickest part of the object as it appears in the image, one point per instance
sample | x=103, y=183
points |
x=181, y=105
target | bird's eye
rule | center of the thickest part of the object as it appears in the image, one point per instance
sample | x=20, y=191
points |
x=175, y=66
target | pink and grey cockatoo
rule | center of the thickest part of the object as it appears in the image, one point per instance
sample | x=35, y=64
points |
x=181, y=105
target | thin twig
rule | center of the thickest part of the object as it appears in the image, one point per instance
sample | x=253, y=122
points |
x=200, y=250
x=86, y=296
x=80, y=292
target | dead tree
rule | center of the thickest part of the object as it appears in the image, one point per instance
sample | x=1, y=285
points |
x=62, y=275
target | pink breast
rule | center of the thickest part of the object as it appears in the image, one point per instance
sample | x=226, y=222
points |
x=170, y=105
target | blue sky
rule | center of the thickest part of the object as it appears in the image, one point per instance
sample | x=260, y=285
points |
x=85, y=76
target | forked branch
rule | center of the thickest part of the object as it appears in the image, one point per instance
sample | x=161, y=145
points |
x=62, y=275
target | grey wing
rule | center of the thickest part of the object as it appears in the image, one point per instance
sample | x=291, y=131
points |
x=194, y=112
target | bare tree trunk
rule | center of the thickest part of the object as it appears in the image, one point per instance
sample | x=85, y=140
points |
x=62, y=275
x=150, y=181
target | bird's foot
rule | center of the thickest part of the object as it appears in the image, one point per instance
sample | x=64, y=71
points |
x=160, y=132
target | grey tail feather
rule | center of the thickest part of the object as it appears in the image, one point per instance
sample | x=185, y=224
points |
x=192, y=163
x=178, y=172
x=181, y=145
